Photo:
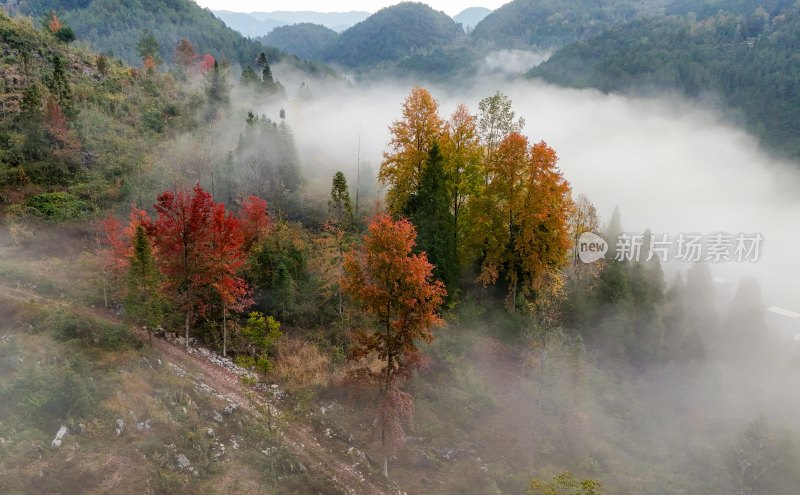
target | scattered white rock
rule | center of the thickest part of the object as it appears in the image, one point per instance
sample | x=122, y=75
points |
x=325, y=409
x=177, y=369
x=183, y=461
x=448, y=453
x=120, y=427
x=205, y=388
x=210, y=433
x=56, y=441
x=143, y=425
x=222, y=362
x=217, y=417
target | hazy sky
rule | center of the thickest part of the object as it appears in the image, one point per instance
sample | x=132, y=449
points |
x=452, y=7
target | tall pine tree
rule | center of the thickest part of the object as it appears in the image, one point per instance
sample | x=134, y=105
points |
x=339, y=204
x=429, y=210
x=142, y=302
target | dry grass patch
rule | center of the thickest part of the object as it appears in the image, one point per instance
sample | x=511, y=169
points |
x=301, y=364
x=137, y=397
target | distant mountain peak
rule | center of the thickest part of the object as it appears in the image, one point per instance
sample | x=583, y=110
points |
x=471, y=16
x=262, y=23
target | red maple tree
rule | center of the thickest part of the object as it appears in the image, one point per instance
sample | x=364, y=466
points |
x=206, y=63
x=229, y=257
x=199, y=246
x=255, y=220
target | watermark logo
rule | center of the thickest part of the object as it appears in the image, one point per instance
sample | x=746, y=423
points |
x=591, y=247
x=718, y=247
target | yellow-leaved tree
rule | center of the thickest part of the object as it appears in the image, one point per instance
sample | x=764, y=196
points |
x=463, y=154
x=412, y=138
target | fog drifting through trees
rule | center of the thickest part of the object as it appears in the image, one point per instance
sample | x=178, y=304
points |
x=671, y=165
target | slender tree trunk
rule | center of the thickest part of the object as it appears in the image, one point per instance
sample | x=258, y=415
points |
x=383, y=446
x=456, y=210
x=186, y=327
x=213, y=192
x=542, y=365
x=387, y=384
x=146, y=305
x=187, y=278
x=105, y=290
x=224, y=330
x=341, y=296
x=513, y=295
x=341, y=306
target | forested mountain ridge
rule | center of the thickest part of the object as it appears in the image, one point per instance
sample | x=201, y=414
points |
x=392, y=35
x=749, y=61
x=307, y=41
x=115, y=27
x=246, y=24
x=554, y=23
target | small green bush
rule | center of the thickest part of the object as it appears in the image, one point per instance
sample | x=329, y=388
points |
x=93, y=332
x=48, y=394
x=57, y=206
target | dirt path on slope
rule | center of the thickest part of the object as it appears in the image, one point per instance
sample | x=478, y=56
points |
x=330, y=459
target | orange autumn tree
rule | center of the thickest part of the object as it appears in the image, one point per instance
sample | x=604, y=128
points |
x=544, y=243
x=55, y=24
x=528, y=238
x=64, y=140
x=413, y=136
x=116, y=241
x=396, y=289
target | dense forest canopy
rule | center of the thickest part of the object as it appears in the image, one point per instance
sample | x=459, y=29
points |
x=393, y=34
x=115, y=27
x=307, y=41
x=746, y=60
x=554, y=23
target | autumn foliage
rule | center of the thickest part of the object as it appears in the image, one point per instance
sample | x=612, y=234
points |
x=185, y=54
x=55, y=23
x=254, y=219
x=528, y=218
x=394, y=287
x=199, y=248
x=64, y=140
x=413, y=136
x=206, y=63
